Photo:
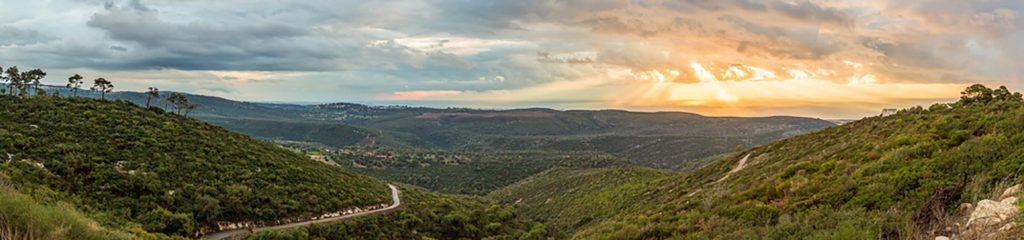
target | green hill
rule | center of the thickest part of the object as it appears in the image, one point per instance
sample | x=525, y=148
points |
x=129, y=168
x=893, y=177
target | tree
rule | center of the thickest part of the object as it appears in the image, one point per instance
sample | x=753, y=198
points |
x=1003, y=94
x=164, y=221
x=31, y=79
x=188, y=109
x=152, y=93
x=75, y=82
x=102, y=85
x=976, y=93
x=13, y=78
x=979, y=94
x=178, y=102
x=2, y=77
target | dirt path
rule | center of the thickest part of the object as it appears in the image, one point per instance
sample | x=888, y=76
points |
x=739, y=166
x=395, y=199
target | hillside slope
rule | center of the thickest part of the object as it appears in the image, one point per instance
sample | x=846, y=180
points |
x=131, y=167
x=21, y=217
x=571, y=199
x=465, y=172
x=894, y=177
x=662, y=140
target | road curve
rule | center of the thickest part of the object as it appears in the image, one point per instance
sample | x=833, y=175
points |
x=396, y=202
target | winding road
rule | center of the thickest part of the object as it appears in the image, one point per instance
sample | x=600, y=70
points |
x=396, y=202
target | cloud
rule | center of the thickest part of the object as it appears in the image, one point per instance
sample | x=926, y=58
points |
x=423, y=94
x=17, y=36
x=800, y=42
x=359, y=50
x=809, y=11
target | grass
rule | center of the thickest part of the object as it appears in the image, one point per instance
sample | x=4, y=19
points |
x=22, y=218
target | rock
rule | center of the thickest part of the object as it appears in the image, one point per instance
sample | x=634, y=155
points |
x=1009, y=200
x=1011, y=191
x=991, y=212
x=965, y=208
x=1007, y=227
x=941, y=238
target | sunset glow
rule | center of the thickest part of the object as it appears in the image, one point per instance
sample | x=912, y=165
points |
x=829, y=59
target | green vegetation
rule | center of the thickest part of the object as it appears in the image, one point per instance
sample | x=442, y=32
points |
x=661, y=140
x=325, y=133
x=134, y=168
x=19, y=83
x=893, y=177
x=21, y=217
x=426, y=215
x=475, y=173
x=571, y=199
x=667, y=140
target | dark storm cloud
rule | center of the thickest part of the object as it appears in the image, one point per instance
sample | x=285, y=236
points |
x=248, y=45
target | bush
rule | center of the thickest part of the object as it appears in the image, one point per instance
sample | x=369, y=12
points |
x=163, y=221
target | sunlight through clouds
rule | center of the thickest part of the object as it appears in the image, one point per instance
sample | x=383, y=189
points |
x=713, y=57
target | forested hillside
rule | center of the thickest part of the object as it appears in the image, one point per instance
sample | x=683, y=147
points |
x=903, y=176
x=667, y=140
x=662, y=140
x=144, y=169
x=475, y=173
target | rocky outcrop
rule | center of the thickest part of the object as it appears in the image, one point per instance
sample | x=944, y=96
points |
x=988, y=219
x=989, y=212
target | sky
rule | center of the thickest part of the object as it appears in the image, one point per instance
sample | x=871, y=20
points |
x=824, y=58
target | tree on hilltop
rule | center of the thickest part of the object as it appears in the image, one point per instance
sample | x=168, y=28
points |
x=979, y=94
x=103, y=86
x=151, y=94
x=75, y=82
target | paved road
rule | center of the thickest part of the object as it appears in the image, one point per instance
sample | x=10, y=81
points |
x=395, y=203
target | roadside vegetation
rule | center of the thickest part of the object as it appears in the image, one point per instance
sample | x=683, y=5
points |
x=426, y=215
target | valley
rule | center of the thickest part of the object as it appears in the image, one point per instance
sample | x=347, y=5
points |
x=511, y=120
x=880, y=177
x=665, y=140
